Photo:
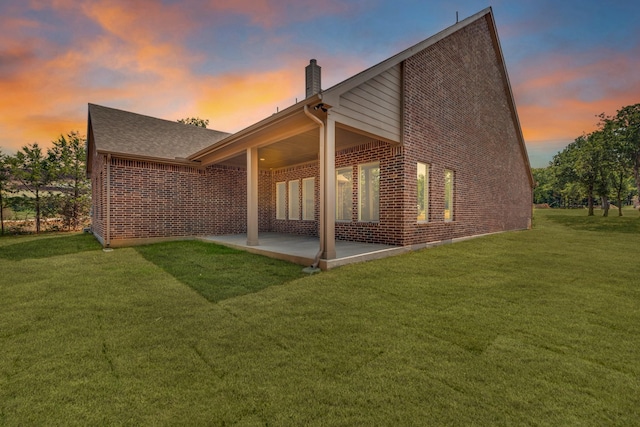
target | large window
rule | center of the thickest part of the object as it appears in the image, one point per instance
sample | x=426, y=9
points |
x=448, y=195
x=281, y=203
x=423, y=192
x=344, y=194
x=294, y=199
x=308, y=199
x=369, y=192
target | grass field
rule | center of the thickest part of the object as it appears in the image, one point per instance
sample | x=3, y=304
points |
x=538, y=327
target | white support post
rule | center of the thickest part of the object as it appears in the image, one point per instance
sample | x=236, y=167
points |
x=330, y=189
x=252, y=196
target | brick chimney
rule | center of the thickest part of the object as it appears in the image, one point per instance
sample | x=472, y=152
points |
x=312, y=78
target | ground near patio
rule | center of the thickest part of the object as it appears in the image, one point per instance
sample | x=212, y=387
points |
x=538, y=327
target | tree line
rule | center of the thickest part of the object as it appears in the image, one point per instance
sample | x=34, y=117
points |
x=48, y=183
x=598, y=167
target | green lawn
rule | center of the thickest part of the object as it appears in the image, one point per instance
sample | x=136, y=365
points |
x=538, y=327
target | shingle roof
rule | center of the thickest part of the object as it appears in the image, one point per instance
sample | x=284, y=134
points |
x=118, y=131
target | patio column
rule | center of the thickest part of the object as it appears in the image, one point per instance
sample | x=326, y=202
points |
x=252, y=196
x=330, y=189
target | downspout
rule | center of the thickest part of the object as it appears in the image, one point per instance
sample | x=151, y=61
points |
x=320, y=123
x=107, y=239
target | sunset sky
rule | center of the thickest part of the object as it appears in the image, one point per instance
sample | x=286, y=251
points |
x=235, y=62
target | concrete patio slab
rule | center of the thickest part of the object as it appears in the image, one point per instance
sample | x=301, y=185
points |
x=303, y=249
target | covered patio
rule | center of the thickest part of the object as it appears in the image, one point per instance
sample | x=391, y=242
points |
x=303, y=249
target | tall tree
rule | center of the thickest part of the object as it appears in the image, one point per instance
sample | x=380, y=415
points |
x=195, y=121
x=5, y=177
x=31, y=168
x=626, y=125
x=620, y=157
x=68, y=157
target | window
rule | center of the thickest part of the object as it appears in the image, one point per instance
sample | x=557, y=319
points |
x=369, y=192
x=344, y=194
x=423, y=192
x=281, y=204
x=294, y=199
x=448, y=195
x=308, y=199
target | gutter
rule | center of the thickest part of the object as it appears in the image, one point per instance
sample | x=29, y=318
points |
x=320, y=123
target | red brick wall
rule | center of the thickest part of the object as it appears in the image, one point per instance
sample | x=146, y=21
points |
x=457, y=116
x=98, y=194
x=388, y=229
x=150, y=200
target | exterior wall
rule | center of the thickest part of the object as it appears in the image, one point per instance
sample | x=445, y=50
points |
x=457, y=117
x=388, y=229
x=152, y=200
x=98, y=195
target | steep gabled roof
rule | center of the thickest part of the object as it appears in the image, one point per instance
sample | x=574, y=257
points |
x=121, y=132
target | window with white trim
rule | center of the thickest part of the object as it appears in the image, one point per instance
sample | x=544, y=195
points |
x=448, y=195
x=294, y=199
x=423, y=192
x=281, y=203
x=369, y=192
x=344, y=193
x=308, y=199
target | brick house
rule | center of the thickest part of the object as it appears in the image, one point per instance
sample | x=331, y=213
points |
x=423, y=147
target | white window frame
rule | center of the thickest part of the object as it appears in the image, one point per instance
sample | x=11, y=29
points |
x=372, y=193
x=294, y=199
x=424, y=197
x=349, y=199
x=308, y=199
x=281, y=203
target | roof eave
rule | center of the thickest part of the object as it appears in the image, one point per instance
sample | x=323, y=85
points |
x=139, y=157
x=256, y=127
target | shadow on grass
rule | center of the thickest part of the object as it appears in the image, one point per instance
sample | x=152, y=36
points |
x=48, y=247
x=629, y=223
x=218, y=272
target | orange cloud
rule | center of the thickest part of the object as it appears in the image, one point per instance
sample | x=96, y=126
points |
x=233, y=102
x=559, y=97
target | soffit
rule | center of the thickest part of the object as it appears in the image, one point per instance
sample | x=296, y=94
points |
x=297, y=149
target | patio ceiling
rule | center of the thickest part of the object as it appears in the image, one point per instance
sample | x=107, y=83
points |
x=297, y=149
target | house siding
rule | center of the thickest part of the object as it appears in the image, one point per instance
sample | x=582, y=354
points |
x=376, y=104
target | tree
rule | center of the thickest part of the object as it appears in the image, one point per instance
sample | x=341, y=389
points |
x=546, y=190
x=5, y=177
x=67, y=157
x=195, y=121
x=568, y=170
x=625, y=125
x=31, y=169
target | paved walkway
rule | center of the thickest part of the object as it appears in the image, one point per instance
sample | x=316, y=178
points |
x=303, y=249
